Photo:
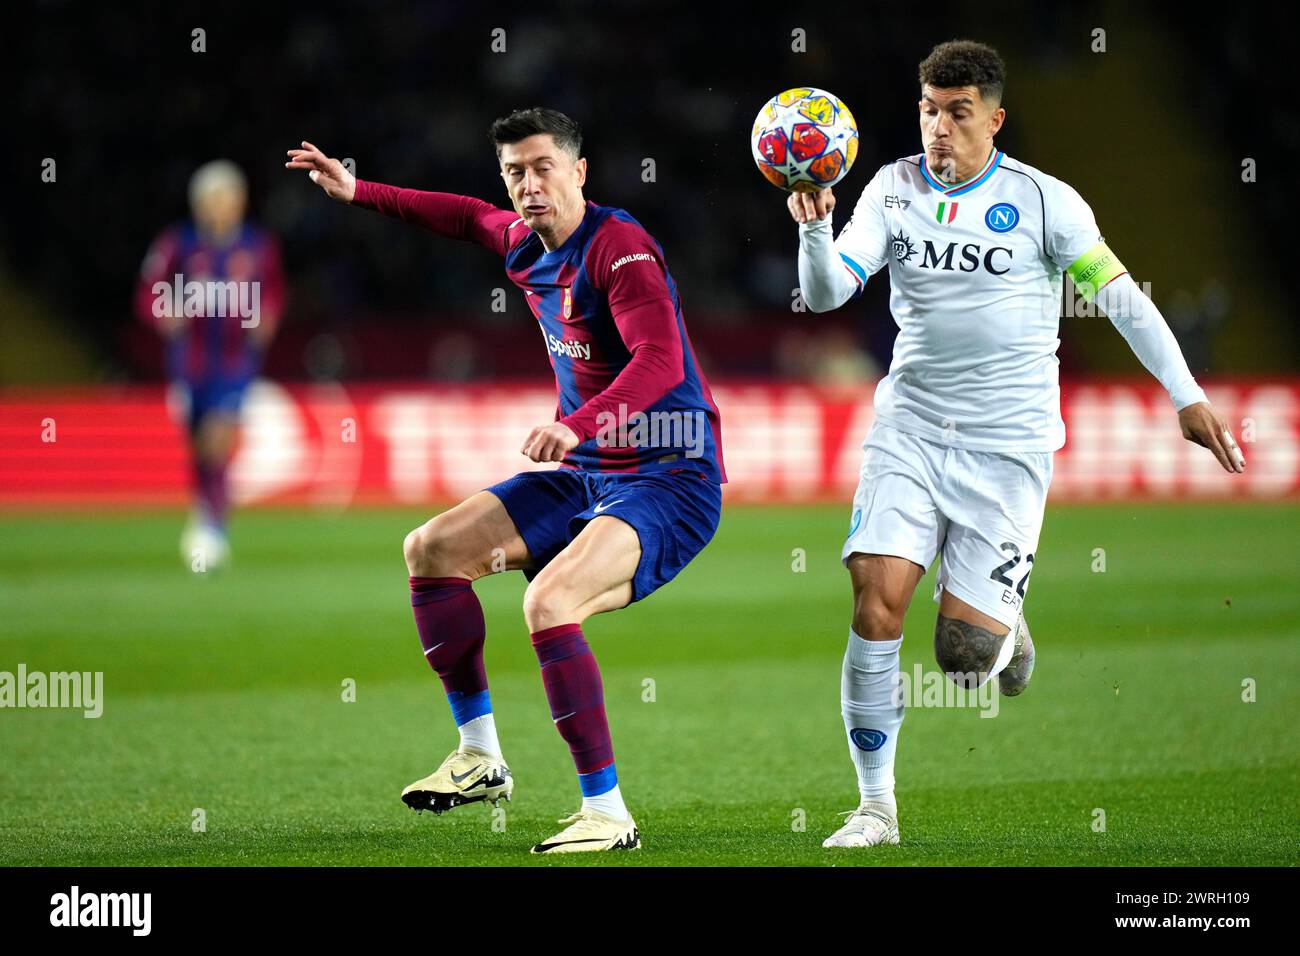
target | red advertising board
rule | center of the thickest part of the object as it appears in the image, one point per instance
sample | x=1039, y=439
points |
x=408, y=444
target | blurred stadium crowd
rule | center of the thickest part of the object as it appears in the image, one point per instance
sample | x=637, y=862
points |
x=1153, y=132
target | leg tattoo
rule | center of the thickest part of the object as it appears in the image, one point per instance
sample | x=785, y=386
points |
x=966, y=652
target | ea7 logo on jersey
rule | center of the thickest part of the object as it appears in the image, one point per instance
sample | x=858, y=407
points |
x=972, y=258
x=892, y=201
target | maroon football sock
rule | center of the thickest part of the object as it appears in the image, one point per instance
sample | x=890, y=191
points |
x=449, y=619
x=576, y=696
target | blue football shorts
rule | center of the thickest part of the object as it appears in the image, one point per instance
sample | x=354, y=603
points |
x=674, y=513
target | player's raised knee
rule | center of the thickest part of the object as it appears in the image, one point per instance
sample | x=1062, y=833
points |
x=428, y=552
x=965, y=652
x=413, y=550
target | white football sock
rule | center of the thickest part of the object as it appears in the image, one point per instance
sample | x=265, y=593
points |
x=871, y=717
x=610, y=802
x=481, y=734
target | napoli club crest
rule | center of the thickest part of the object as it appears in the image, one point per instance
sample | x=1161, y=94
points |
x=865, y=739
x=1002, y=217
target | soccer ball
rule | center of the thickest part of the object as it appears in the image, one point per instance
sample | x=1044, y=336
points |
x=804, y=139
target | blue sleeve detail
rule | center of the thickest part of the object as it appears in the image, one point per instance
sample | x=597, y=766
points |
x=858, y=272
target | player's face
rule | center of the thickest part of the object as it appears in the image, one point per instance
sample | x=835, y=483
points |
x=957, y=127
x=544, y=182
x=218, y=211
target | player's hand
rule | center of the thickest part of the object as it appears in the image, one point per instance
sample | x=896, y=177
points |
x=1203, y=425
x=329, y=174
x=805, y=207
x=550, y=442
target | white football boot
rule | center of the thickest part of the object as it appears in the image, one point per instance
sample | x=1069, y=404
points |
x=870, y=824
x=466, y=776
x=204, y=547
x=1014, y=678
x=591, y=830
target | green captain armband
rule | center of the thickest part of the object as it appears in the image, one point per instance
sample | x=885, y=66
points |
x=1094, y=269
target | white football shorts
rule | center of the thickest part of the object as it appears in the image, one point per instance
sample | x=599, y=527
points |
x=980, y=512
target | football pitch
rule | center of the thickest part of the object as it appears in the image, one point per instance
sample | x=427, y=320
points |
x=226, y=737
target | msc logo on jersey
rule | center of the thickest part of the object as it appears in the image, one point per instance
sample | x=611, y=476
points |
x=972, y=257
x=1002, y=217
x=996, y=261
x=902, y=247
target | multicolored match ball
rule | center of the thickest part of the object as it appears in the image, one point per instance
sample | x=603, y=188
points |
x=804, y=139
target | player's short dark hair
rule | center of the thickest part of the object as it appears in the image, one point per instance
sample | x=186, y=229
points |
x=521, y=124
x=966, y=63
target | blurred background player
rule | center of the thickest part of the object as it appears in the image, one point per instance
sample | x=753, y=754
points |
x=212, y=356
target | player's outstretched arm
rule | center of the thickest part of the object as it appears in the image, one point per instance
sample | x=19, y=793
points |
x=1152, y=341
x=329, y=174
x=447, y=214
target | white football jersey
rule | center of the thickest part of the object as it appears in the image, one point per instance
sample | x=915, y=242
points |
x=975, y=288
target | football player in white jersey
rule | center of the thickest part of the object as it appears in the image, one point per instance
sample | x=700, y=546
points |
x=959, y=458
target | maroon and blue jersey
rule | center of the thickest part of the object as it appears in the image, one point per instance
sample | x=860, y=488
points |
x=214, y=348
x=627, y=380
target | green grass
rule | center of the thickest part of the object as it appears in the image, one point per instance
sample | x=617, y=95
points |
x=224, y=692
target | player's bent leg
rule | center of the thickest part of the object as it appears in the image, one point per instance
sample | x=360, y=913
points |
x=969, y=645
x=593, y=574
x=444, y=556
x=473, y=539
x=869, y=703
x=995, y=505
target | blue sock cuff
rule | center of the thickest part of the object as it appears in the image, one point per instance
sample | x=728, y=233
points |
x=598, y=781
x=466, y=707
